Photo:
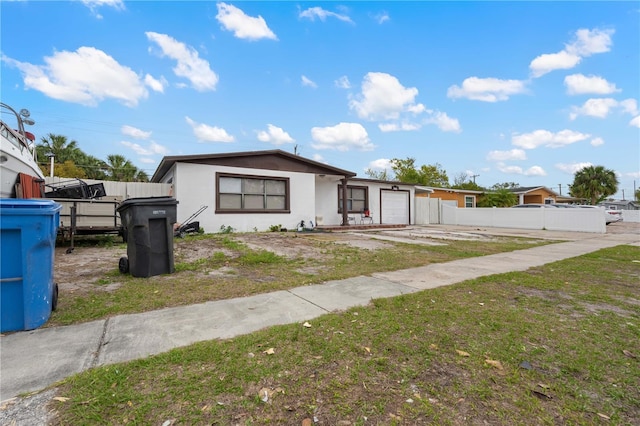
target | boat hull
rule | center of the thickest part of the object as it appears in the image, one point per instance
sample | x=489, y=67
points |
x=14, y=161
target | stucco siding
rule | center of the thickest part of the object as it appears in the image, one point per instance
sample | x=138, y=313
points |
x=195, y=186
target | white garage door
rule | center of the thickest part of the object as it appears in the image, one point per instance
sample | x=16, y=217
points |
x=395, y=207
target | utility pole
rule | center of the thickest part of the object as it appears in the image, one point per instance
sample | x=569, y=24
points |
x=474, y=178
x=623, y=195
x=560, y=188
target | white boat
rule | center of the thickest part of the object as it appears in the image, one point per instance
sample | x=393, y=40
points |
x=17, y=150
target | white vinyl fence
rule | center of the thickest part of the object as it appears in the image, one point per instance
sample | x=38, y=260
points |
x=579, y=220
x=631, y=215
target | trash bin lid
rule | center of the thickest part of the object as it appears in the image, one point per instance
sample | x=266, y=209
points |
x=31, y=206
x=151, y=201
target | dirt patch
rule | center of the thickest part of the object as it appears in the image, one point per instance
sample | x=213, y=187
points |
x=80, y=270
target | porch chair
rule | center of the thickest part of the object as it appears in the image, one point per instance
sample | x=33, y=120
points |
x=365, y=215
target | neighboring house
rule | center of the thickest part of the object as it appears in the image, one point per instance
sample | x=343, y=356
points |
x=256, y=190
x=535, y=195
x=462, y=197
x=621, y=205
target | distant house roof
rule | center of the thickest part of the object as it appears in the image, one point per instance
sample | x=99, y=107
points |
x=462, y=191
x=526, y=189
x=267, y=160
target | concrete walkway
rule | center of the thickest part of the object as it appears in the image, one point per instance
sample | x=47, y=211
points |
x=33, y=360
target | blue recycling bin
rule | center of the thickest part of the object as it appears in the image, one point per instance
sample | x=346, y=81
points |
x=28, y=231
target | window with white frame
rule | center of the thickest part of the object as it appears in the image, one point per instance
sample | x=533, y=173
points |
x=251, y=194
x=469, y=201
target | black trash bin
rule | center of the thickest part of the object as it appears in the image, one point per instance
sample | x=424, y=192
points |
x=148, y=230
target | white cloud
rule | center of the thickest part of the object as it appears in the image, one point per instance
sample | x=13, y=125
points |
x=155, y=84
x=274, y=135
x=153, y=148
x=633, y=175
x=630, y=106
x=548, y=139
x=635, y=122
x=601, y=107
x=206, y=133
x=243, y=26
x=189, y=64
x=548, y=62
x=486, y=89
x=317, y=12
x=93, y=5
x=135, y=132
x=138, y=149
x=380, y=164
x=514, y=154
x=341, y=137
x=147, y=160
x=319, y=158
x=572, y=168
x=444, y=122
x=516, y=170
x=578, y=84
x=382, y=97
x=307, y=82
x=86, y=76
x=588, y=42
x=117, y=4
x=381, y=17
x=585, y=43
x=397, y=127
x=597, y=142
x=343, y=82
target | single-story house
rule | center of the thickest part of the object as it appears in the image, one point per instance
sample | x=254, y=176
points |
x=621, y=205
x=460, y=197
x=258, y=190
x=535, y=195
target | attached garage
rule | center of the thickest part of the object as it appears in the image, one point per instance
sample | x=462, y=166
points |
x=394, y=207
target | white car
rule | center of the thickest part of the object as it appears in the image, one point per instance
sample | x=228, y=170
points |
x=611, y=215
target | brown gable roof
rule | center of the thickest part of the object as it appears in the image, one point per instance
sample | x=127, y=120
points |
x=268, y=160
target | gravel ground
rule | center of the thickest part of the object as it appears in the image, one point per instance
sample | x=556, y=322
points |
x=30, y=410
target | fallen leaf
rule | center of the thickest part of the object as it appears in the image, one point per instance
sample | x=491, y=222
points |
x=629, y=353
x=543, y=386
x=60, y=398
x=130, y=404
x=433, y=346
x=367, y=349
x=462, y=353
x=307, y=422
x=494, y=363
x=481, y=304
x=269, y=351
x=604, y=416
x=306, y=324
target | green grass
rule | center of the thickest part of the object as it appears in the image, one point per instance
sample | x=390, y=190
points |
x=232, y=269
x=396, y=361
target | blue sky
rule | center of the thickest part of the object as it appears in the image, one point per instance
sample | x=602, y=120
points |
x=525, y=92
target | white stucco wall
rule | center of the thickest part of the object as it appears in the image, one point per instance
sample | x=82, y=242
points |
x=194, y=186
x=327, y=199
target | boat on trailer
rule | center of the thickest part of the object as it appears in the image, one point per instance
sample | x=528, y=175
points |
x=18, y=163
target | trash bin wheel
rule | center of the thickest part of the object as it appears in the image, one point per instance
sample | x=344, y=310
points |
x=123, y=265
x=54, y=299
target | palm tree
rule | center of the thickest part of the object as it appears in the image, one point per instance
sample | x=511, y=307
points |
x=60, y=147
x=120, y=168
x=594, y=183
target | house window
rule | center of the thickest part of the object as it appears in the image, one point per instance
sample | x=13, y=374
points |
x=357, y=198
x=251, y=194
x=469, y=201
x=549, y=201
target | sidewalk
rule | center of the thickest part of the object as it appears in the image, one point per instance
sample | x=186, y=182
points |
x=33, y=360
